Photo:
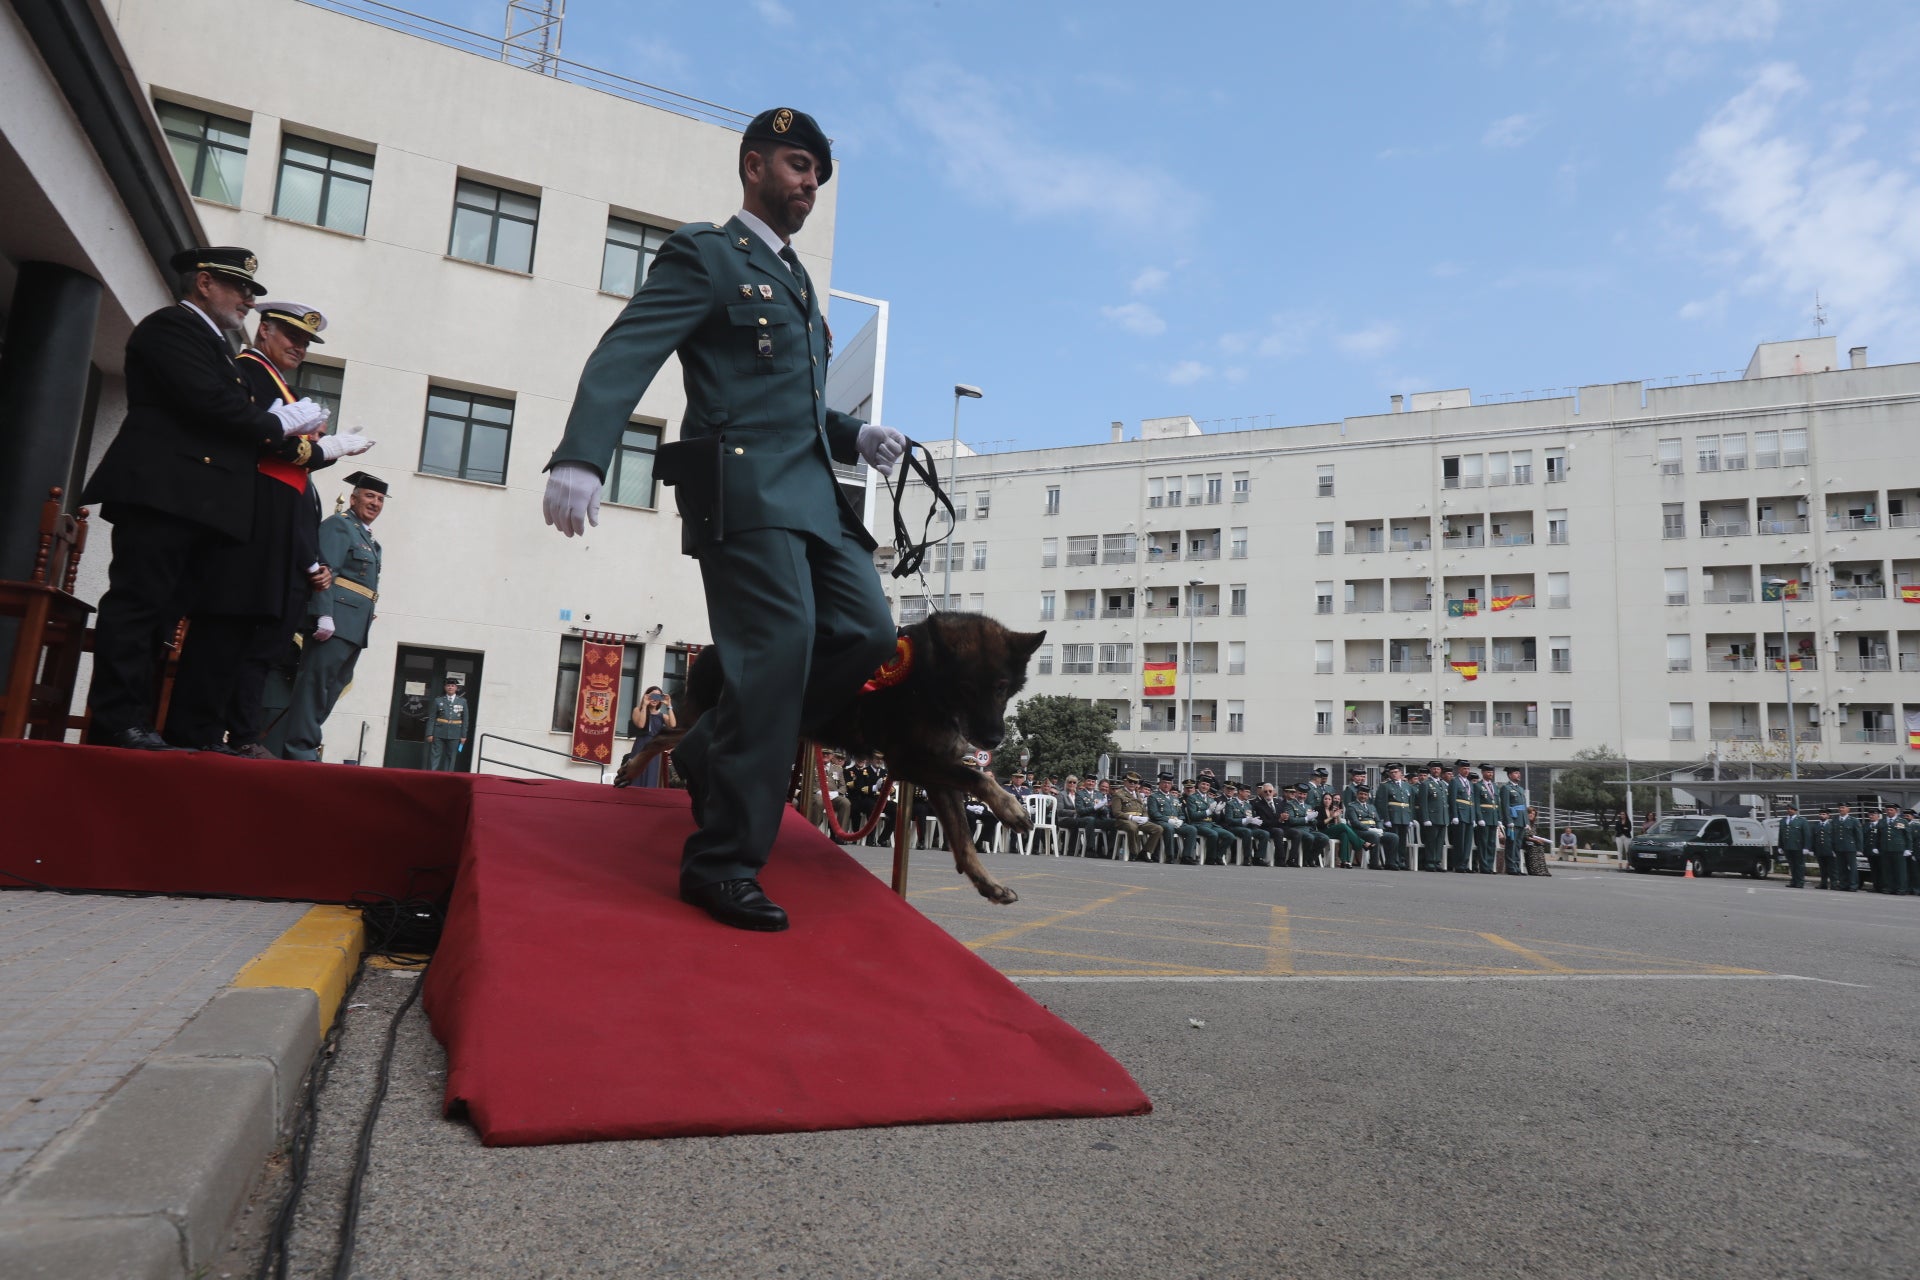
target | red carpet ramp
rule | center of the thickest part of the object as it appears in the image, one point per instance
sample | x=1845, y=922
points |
x=579, y=999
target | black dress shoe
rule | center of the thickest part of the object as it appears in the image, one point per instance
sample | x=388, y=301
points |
x=740, y=903
x=140, y=740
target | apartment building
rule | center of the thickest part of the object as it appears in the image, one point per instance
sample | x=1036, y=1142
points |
x=470, y=227
x=1702, y=572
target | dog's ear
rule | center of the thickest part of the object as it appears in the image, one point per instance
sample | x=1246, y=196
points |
x=1025, y=642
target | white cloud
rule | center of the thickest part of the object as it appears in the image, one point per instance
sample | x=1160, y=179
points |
x=1510, y=131
x=991, y=154
x=1188, y=372
x=1150, y=280
x=1136, y=317
x=1374, y=340
x=1804, y=215
x=773, y=13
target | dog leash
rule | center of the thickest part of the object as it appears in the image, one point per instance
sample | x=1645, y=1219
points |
x=909, y=554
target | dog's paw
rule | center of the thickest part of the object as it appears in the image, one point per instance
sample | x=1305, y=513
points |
x=993, y=891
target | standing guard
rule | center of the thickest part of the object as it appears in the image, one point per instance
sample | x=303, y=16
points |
x=447, y=729
x=342, y=618
x=1513, y=819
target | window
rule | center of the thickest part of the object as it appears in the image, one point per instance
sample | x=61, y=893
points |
x=1707, y=449
x=1323, y=481
x=1214, y=486
x=1766, y=449
x=1793, y=447
x=325, y=185
x=1116, y=658
x=1053, y=500
x=1450, y=472
x=1236, y=715
x=1194, y=495
x=322, y=384
x=466, y=436
x=1563, y=719
x=1496, y=469
x=1076, y=659
x=629, y=254
x=1673, y=519
x=979, y=556
x=1471, y=476
x=1045, y=665
x=950, y=557
x=1676, y=586
x=1173, y=491
x=1557, y=466
x=1323, y=597
x=1733, y=452
x=1680, y=652
x=210, y=150
x=1323, y=657
x=1122, y=711
x=1242, y=486
x=493, y=226
x=976, y=602
x=1238, y=597
x=1046, y=606
x=1239, y=543
x=982, y=504
x=1559, y=590
x=1157, y=492
x=1323, y=717
x=1083, y=549
x=1557, y=528
x=1049, y=552
x=631, y=484
x=1236, y=657
x=1523, y=466
x=1323, y=539
x=1670, y=464
x=1560, y=650
x=1119, y=548
x=1680, y=721
x=959, y=509
x=566, y=687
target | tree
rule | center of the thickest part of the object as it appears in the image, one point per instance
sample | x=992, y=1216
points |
x=1062, y=735
x=1599, y=786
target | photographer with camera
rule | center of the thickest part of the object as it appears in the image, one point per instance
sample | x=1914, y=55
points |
x=652, y=716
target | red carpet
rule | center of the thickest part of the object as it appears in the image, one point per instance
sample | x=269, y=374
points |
x=579, y=999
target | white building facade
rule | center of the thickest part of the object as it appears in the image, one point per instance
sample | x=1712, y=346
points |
x=1599, y=563
x=470, y=228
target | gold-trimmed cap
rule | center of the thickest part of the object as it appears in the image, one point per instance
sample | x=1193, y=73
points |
x=295, y=315
x=227, y=260
x=792, y=128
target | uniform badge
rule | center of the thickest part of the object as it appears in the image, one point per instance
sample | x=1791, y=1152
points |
x=252, y=264
x=746, y=291
x=782, y=120
x=766, y=292
x=744, y=242
x=766, y=346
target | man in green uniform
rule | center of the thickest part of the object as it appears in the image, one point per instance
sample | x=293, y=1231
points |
x=1164, y=807
x=1463, y=812
x=1436, y=811
x=1792, y=839
x=1382, y=845
x=447, y=729
x=341, y=618
x=793, y=601
x=1397, y=800
x=1512, y=795
x=1486, y=804
x=1318, y=787
x=1075, y=813
x=1236, y=817
x=1301, y=829
x=1196, y=806
x=1820, y=837
x=1849, y=842
x=1890, y=840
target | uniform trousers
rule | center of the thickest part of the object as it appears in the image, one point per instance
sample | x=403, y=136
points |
x=1516, y=855
x=1400, y=851
x=1825, y=860
x=1796, y=867
x=1459, y=846
x=798, y=624
x=326, y=669
x=443, y=754
x=1259, y=841
x=1893, y=872
x=1483, y=840
x=155, y=556
x=1433, y=843
x=204, y=686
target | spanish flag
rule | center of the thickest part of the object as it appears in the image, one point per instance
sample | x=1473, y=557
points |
x=1502, y=603
x=1910, y=594
x=1913, y=730
x=1788, y=664
x=1160, y=678
x=1467, y=670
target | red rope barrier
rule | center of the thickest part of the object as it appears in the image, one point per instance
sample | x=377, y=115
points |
x=833, y=820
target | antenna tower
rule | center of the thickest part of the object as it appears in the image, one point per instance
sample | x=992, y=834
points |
x=1819, y=315
x=532, y=39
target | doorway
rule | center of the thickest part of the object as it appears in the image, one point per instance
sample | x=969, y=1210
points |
x=419, y=675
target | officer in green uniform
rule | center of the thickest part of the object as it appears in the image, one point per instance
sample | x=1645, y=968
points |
x=1891, y=840
x=1234, y=815
x=1792, y=839
x=1164, y=807
x=1512, y=796
x=1383, y=846
x=1076, y=813
x=793, y=601
x=1849, y=841
x=1820, y=837
x=447, y=729
x=1308, y=840
x=1463, y=813
x=1142, y=837
x=1486, y=803
x=1397, y=802
x=1436, y=811
x=1318, y=787
x=340, y=619
x=1196, y=806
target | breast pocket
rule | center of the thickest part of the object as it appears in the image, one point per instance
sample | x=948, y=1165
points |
x=765, y=339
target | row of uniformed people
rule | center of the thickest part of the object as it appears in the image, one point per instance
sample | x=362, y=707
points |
x=1836, y=841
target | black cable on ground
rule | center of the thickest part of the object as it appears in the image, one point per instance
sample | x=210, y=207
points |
x=363, y=1155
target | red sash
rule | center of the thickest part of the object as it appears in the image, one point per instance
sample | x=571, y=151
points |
x=288, y=473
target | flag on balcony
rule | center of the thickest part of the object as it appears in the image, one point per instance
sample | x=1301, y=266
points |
x=1913, y=730
x=1463, y=608
x=1789, y=590
x=1467, y=670
x=1789, y=664
x=1910, y=594
x=1503, y=603
x=1160, y=679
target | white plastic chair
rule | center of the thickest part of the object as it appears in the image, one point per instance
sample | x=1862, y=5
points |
x=1041, y=809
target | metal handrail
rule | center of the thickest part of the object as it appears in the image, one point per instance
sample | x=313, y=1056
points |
x=482, y=758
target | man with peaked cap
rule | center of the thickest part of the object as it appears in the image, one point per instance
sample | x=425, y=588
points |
x=1165, y=808
x=177, y=481
x=798, y=618
x=1435, y=808
x=339, y=618
x=1486, y=803
x=1238, y=820
x=1464, y=812
x=1890, y=845
x=1512, y=796
x=447, y=722
x=252, y=596
x=1398, y=801
x=1131, y=821
x=1849, y=836
x=1820, y=837
x=1791, y=839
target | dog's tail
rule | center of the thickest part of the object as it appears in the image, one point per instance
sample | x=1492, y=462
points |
x=701, y=693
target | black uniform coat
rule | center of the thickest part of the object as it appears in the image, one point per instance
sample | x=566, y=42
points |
x=192, y=432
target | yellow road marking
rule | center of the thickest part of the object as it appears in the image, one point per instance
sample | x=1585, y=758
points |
x=1527, y=953
x=1280, y=943
x=1008, y=934
x=1130, y=960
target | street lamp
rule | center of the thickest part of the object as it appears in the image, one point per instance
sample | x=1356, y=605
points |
x=1786, y=668
x=960, y=391
x=1193, y=584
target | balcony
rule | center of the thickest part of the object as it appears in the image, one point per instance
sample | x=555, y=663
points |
x=1455, y=541
x=1460, y=482
x=1411, y=729
x=1162, y=555
x=1854, y=662
x=1116, y=667
x=1556, y=537
x=1910, y=662
x=1679, y=664
x=1080, y=615
x=1323, y=605
x=1365, y=606
x=1475, y=730
x=1118, y=555
x=1410, y=666
x=1514, y=666
x=1867, y=735
x=1731, y=664
x=1523, y=473
x=1203, y=611
x=1157, y=726
x=1801, y=662
x=1793, y=457
x=1078, y=559
x=1725, y=529
x=1365, y=729
x=1799, y=524
x=1735, y=734
x=1681, y=733
x=1673, y=530
x=1163, y=611
x=1737, y=595
x=1513, y=540
x=1676, y=598
x=1203, y=667
x=1516, y=730
x=1836, y=524
x=1807, y=734
x=1204, y=726
x=1905, y=520
x=1858, y=591
x=1411, y=544
x=1365, y=546
x=1076, y=668
x=1364, y=666
x=1204, y=553
x=1117, y=611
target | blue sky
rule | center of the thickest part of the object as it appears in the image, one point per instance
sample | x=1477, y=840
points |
x=1283, y=213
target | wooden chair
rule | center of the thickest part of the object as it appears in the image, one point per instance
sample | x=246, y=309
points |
x=53, y=631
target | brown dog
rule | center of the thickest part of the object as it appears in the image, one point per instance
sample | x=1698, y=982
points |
x=951, y=697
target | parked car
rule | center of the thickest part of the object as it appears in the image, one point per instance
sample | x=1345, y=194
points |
x=1710, y=843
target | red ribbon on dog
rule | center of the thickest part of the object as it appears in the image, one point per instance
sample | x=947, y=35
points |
x=894, y=669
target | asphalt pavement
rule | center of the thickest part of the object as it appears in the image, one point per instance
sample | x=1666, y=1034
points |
x=1396, y=1074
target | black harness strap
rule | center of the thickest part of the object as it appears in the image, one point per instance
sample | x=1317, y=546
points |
x=909, y=554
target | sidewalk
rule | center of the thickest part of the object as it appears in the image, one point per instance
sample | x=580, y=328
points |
x=151, y=1055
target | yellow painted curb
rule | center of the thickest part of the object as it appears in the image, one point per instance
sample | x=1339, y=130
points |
x=319, y=953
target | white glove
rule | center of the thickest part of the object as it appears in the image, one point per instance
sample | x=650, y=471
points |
x=1481, y=823
x=323, y=629
x=347, y=443
x=300, y=417
x=1453, y=822
x=573, y=498
x=880, y=447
